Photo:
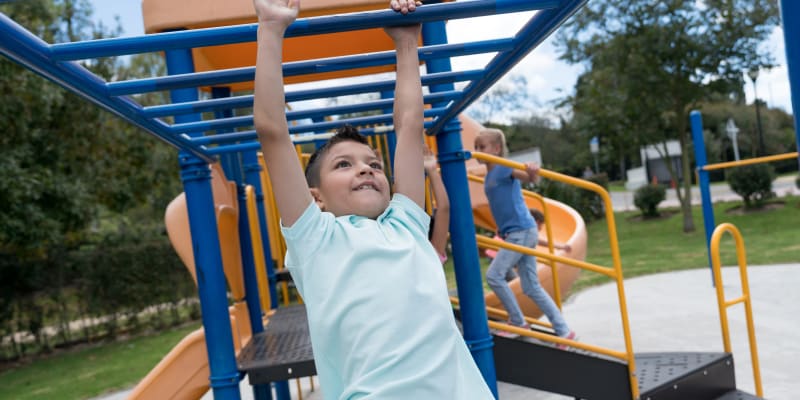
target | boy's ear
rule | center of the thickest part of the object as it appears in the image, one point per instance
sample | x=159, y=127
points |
x=317, y=198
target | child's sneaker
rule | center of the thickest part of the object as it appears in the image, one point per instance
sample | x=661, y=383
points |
x=571, y=336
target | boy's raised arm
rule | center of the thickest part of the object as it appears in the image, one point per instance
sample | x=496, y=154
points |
x=408, y=109
x=269, y=112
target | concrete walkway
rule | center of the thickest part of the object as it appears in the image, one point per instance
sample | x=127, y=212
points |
x=677, y=311
x=782, y=186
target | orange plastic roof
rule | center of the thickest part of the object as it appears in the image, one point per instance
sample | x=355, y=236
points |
x=167, y=15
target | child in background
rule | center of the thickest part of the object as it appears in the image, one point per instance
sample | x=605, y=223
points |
x=379, y=316
x=515, y=225
x=440, y=220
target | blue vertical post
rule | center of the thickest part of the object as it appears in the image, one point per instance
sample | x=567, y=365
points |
x=251, y=175
x=196, y=177
x=231, y=164
x=696, y=120
x=462, y=227
x=790, y=11
x=230, y=161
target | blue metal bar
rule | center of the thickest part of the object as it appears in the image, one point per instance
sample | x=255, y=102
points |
x=21, y=46
x=247, y=100
x=382, y=86
x=696, y=120
x=540, y=26
x=234, y=122
x=196, y=176
x=382, y=119
x=198, y=106
x=301, y=27
x=253, y=145
x=462, y=227
x=246, y=74
x=790, y=11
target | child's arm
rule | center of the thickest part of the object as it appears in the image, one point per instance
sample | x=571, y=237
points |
x=530, y=175
x=407, y=113
x=442, y=225
x=269, y=112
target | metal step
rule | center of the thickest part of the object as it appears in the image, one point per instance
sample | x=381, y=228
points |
x=738, y=395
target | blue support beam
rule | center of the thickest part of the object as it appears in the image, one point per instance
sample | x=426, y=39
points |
x=462, y=227
x=696, y=122
x=790, y=11
x=196, y=176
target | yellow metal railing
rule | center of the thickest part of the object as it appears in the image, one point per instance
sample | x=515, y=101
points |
x=258, y=249
x=744, y=298
x=548, y=234
x=749, y=161
x=614, y=272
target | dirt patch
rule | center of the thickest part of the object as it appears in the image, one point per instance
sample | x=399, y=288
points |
x=741, y=210
x=663, y=215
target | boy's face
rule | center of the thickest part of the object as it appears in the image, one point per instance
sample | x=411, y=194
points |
x=352, y=181
x=486, y=145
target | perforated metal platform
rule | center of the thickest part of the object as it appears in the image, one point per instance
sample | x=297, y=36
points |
x=680, y=376
x=282, y=351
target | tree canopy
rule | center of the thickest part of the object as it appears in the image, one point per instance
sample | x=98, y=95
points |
x=650, y=63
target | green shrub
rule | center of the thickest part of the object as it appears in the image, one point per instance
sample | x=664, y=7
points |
x=797, y=181
x=753, y=183
x=587, y=203
x=648, y=197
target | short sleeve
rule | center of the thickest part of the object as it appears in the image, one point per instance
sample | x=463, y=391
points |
x=305, y=235
x=405, y=209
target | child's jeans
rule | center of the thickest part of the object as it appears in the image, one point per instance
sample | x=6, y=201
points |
x=505, y=260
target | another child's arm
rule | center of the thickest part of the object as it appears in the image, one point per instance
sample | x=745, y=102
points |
x=531, y=173
x=442, y=225
x=269, y=112
x=408, y=109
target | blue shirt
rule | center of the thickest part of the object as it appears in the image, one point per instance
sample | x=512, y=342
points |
x=379, y=315
x=504, y=193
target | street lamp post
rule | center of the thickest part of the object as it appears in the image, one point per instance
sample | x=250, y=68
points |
x=594, y=148
x=753, y=74
x=732, y=131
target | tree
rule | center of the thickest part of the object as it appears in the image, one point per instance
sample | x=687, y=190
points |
x=660, y=60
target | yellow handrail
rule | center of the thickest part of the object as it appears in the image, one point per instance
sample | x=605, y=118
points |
x=612, y=233
x=745, y=298
x=258, y=249
x=548, y=233
x=749, y=161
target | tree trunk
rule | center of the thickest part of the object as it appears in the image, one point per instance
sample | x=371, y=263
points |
x=686, y=199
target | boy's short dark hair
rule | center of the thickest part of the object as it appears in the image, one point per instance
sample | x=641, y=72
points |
x=343, y=134
x=537, y=216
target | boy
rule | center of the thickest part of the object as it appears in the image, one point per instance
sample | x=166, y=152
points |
x=380, y=320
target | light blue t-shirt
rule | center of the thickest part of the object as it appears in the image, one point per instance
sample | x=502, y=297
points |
x=379, y=316
x=504, y=193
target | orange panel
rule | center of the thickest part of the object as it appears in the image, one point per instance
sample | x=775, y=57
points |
x=165, y=15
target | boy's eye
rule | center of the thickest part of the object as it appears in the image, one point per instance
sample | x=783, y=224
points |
x=342, y=164
x=376, y=165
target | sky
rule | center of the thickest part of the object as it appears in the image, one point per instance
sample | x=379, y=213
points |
x=549, y=79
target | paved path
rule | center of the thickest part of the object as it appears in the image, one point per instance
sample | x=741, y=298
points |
x=677, y=312
x=782, y=186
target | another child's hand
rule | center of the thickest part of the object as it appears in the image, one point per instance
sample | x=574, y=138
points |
x=429, y=160
x=277, y=13
x=532, y=169
x=404, y=6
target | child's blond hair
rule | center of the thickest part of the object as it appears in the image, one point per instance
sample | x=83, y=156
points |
x=496, y=136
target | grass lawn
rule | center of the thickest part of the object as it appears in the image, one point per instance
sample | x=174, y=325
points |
x=647, y=247
x=91, y=371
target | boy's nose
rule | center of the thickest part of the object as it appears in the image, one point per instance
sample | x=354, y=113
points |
x=366, y=169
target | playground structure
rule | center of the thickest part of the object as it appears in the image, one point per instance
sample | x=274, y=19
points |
x=211, y=213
